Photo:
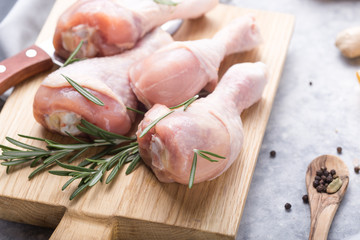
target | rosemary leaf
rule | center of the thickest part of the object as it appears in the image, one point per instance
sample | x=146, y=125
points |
x=132, y=165
x=56, y=156
x=166, y=2
x=22, y=145
x=83, y=91
x=85, y=130
x=97, y=131
x=187, y=103
x=207, y=158
x=68, y=183
x=30, y=137
x=73, y=54
x=135, y=110
x=79, y=190
x=47, y=162
x=116, y=158
x=99, y=174
x=60, y=173
x=75, y=168
x=210, y=153
x=24, y=154
x=16, y=162
x=36, y=160
x=113, y=173
x=74, y=146
x=192, y=172
x=75, y=138
x=7, y=158
x=97, y=161
x=86, y=162
x=73, y=158
x=202, y=154
x=145, y=131
x=6, y=148
x=39, y=169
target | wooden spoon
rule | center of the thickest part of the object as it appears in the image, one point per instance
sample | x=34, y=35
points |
x=323, y=206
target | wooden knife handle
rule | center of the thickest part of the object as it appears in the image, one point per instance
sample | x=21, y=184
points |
x=23, y=65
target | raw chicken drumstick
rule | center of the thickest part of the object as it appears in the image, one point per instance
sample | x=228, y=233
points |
x=180, y=70
x=59, y=107
x=211, y=124
x=108, y=27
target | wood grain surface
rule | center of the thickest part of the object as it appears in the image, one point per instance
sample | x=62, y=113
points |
x=138, y=206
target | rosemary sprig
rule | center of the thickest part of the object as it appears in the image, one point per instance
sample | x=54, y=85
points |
x=204, y=154
x=43, y=158
x=83, y=91
x=166, y=2
x=151, y=125
x=71, y=59
x=74, y=84
x=90, y=176
x=187, y=103
x=135, y=110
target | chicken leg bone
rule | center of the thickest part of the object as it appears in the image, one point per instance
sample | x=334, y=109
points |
x=211, y=124
x=109, y=27
x=180, y=70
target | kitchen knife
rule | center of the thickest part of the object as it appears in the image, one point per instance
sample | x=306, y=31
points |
x=41, y=57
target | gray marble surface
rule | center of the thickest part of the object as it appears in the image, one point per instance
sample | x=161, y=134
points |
x=306, y=121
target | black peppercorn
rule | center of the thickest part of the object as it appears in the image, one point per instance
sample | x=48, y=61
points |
x=305, y=199
x=329, y=179
x=317, y=178
x=319, y=173
x=319, y=188
x=333, y=172
x=339, y=150
x=272, y=154
x=323, y=177
x=323, y=169
x=316, y=183
x=326, y=173
x=287, y=206
x=357, y=169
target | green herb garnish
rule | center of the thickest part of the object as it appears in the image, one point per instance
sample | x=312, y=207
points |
x=166, y=2
x=204, y=154
x=91, y=175
x=151, y=125
x=83, y=91
x=71, y=59
x=187, y=103
x=43, y=158
x=135, y=110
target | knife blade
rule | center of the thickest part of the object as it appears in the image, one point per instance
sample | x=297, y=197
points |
x=41, y=57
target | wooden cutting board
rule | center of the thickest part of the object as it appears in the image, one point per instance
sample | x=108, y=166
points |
x=138, y=206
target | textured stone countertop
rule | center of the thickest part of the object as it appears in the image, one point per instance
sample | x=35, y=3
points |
x=306, y=121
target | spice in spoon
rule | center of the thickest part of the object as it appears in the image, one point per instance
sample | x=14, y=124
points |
x=326, y=181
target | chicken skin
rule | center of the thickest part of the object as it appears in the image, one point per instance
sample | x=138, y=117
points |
x=109, y=27
x=180, y=70
x=59, y=107
x=211, y=124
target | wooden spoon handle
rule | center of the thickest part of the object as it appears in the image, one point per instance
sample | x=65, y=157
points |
x=23, y=65
x=321, y=222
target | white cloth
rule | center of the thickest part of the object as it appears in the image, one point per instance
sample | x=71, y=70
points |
x=20, y=28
